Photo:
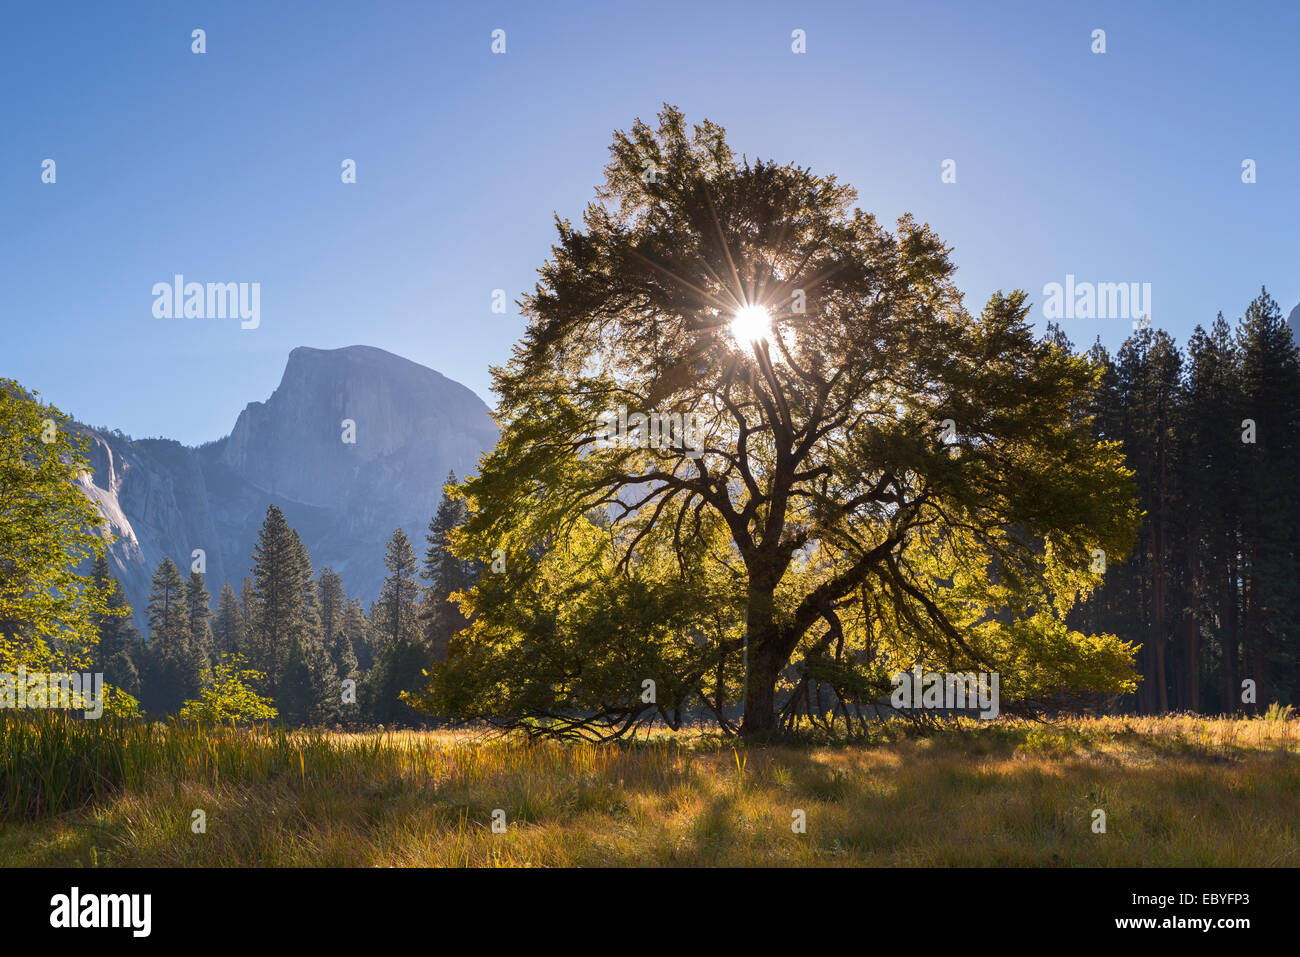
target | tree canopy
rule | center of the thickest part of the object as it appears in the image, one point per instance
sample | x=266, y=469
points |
x=50, y=609
x=874, y=477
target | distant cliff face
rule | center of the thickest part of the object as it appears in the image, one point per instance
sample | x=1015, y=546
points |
x=352, y=444
x=153, y=495
x=404, y=419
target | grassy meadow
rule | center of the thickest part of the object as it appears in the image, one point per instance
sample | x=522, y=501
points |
x=1176, y=790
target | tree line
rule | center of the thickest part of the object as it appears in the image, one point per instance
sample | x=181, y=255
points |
x=1212, y=434
x=308, y=646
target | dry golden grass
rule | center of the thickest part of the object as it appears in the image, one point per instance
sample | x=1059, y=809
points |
x=1183, y=791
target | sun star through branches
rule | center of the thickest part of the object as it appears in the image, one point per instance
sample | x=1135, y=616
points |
x=751, y=324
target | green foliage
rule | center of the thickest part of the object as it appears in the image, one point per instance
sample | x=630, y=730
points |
x=564, y=642
x=331, y=601
x=119, y=703
x=354, y=632
x=176, y=660
x=341, y=622
x=396, y=621
x=402, y=654
x=119, y=651
x=51, y=762
x=1278, y=712
x=228, y=631
x=198, y=614
x=445, y=572
x=1061, y=740
x=1210, y=589
x=49, y=612
x=277, y=613
x=228, y=695
x=829, y=519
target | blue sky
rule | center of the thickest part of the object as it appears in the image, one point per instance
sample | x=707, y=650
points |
x=224, y=167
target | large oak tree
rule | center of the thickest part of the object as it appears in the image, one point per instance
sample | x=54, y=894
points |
x=880, y=461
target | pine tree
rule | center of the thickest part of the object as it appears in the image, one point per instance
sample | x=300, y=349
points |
x=276, y=609
x=1110, y=610
x=310, y=691
x=1270, y=379
x=321, y=691
x=336, y=625
x=356, y=629
x=1213, y=481
x=174, y=673
x=330, y=599
x=445, y=574
x=286, y=639
x=227, y=625
x=402, y=655
x=397, y=621
x=310, y=624
x=119, y=649
x=1149, y=372
x=198, y=612
x=344, y=661
x=326, y=707
x=1214, y=448
x=247, y=601
x=294, y=693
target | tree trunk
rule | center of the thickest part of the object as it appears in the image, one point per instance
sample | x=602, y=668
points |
x=1189, y=665
x=765, y=664
x=1159, y=584
x=760, y=702
x=1231, y=686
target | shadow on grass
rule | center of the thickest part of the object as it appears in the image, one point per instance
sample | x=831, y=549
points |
x=1012, y=796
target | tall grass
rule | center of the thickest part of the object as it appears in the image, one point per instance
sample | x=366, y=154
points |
x=1178, y=790
x=51, y=762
